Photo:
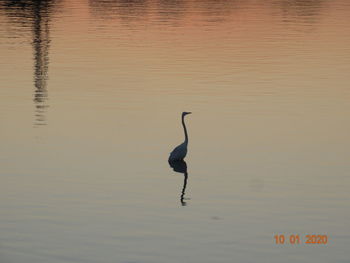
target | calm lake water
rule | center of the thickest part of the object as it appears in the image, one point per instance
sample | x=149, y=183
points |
x=91, y=95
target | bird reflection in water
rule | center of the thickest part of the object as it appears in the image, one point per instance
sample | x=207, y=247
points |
x=181, y=167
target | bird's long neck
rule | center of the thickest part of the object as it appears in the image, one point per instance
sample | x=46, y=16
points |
x=185, y=130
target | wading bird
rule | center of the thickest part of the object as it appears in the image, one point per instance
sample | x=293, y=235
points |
x=179, y=153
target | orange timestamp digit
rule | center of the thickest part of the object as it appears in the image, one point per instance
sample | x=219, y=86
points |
x=282, y=239
x=292, y=239
x=316, y=239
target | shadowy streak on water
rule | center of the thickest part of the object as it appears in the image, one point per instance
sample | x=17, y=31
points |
x=34, y=15
x=181, y=167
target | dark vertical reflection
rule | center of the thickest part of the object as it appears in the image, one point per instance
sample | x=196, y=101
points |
x=181, y=167
x=41, y=43
x=34, y=15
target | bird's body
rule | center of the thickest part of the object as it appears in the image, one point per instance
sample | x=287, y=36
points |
x=179, y=153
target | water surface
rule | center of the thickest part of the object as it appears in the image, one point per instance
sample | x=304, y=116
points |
x=91, y=96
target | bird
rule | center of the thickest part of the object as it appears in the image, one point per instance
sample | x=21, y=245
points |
x=179, y=153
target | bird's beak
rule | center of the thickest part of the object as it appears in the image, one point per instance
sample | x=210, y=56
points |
x=189, y=112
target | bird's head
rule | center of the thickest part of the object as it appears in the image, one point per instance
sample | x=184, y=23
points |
x=185, y=113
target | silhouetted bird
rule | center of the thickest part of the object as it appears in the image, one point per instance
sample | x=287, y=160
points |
x=179, y=153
